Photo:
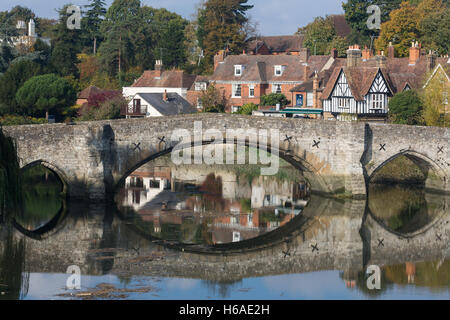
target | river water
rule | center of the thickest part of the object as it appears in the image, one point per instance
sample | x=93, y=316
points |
x=224, y=232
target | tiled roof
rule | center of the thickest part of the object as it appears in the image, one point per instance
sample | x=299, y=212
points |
x=262, y=68
x=88, y=92
x=341, y=26
x=175, y=104
x=398, y=73
x=168, y=79
x=277, y=44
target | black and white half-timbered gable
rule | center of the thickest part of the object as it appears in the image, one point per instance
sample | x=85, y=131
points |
x=356, y=93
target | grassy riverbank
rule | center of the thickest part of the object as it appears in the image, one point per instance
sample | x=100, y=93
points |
x=401, y=170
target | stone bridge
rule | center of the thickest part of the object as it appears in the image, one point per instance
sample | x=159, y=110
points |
x=92, y=158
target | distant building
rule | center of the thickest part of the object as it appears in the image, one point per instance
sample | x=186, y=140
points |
x=159, y=81
x=246, y=78
x=361, y=89
x=145, y=105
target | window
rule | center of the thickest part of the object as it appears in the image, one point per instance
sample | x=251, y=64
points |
x=199, y=103
x=237, y=90
x=155, y=184
x=236, y=236
x=377, y=101
x=200, y=86
x=279, y=70
x=251, y=91
x=299, y=100
x=276, y=88
x=344, y=103
x=238, y=70
x=310, y=99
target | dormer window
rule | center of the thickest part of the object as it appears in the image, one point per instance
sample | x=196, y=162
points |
x=279, y=70
x=238, y=70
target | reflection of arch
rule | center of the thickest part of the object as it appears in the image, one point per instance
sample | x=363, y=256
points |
x=422, y=161
x=315, y=179
x=436, y=219
x=284, y=234
x=58, y=172
x=48, y=229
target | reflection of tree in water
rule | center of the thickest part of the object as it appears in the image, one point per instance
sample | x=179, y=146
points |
x=212, y=199
x=221, y=288
x=14, y=280
x=42, y=199
x=431, y=274
x=401, y=208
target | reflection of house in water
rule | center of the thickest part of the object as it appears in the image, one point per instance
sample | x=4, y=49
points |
x=143, y=187
x=161, y=196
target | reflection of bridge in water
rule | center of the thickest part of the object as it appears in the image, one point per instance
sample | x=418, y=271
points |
x=328, y=235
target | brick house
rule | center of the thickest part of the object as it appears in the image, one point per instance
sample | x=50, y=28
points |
x=245, y=78
x=160, y=81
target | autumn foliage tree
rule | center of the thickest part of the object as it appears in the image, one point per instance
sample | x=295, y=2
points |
x=406, y=25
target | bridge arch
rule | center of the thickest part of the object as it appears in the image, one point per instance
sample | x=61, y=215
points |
x=436, y=177
x=54, y=169
x=297, y=158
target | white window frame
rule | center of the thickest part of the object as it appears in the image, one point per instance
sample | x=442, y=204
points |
x=275, y=87
x=278, y=69
x=200, y=86
x=238, y=70
x=234, y=88
x=250, y=89
x=377, y=101
x=309, y=99
x=199, y=103
x=344, y=103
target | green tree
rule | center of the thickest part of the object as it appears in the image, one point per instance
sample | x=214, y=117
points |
x=66, y=45
x=170, y=46
x=436, y=32
x=7, y=54
x=273, y=99
x=46, y=93
x=405, y=25
x=222, y=25
x=406, y=108
x=356, y=14
x=247, y=109
x=93, y=19
x=435, y=100
x=11, y=81
x=119, y=29
x=318, y=35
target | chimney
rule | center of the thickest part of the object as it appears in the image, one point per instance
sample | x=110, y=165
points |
x=165, y=97
x=334, y=53
x=431, y=61
x=158, y=68
x=306, y=72
x=367, y=54
x=381, y=60
x=414, y=54
x=353, y=56
x=219, y=58
x=315, y=89
x=391, y=51
x=304, y=54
